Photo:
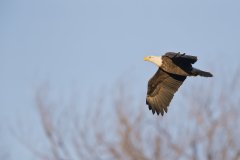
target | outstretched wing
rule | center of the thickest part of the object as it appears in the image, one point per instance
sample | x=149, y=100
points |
x=161, y=89
x=181, y=57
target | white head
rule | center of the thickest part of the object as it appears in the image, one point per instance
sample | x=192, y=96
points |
x=154, y=59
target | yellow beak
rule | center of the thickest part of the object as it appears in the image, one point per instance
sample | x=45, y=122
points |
x=146, y=58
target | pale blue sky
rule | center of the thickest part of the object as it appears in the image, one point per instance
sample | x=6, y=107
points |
x=90, y=44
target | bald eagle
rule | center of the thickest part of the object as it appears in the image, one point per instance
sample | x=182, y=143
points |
x=173, y=70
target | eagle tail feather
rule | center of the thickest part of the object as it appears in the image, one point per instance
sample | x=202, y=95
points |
x=198, y=72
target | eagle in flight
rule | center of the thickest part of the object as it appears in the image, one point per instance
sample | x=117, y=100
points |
x=173, y=70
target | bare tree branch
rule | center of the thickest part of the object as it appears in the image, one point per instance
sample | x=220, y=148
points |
x=123, y=130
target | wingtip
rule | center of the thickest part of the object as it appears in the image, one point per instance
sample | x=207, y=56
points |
x=162, y=113
x=165, y=109
x=153, y=111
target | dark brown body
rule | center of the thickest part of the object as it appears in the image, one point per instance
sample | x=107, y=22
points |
x=179, y=64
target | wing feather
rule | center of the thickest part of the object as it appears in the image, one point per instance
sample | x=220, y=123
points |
x=181, y=57
x=161, y=89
